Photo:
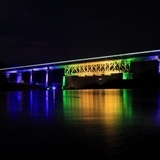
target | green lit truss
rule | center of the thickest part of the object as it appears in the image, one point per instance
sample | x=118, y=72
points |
x=98, y=68
x=104, y=67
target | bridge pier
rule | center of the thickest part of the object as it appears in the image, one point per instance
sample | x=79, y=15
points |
x=31, y=77
x=19, y=77
x=64, y=82
x=46, y=79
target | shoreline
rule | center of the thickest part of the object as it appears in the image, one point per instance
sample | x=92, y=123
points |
x=144, y=83
x=117, y=84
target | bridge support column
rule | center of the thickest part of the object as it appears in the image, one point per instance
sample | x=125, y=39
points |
x=31, y=77
x=46, y=80
x=63, y=82
x=19, y=77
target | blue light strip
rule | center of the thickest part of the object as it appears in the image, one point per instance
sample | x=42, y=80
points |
x=78, y=60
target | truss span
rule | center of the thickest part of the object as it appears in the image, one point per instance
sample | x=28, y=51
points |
x=97, y=68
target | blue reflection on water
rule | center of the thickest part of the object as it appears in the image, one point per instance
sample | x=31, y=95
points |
x=30, y=103
x=47, y=105
x=14, y=102
x=158, y=110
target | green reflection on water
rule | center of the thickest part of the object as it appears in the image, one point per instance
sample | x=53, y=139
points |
x=127, y=102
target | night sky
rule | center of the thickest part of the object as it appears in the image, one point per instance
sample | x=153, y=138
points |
x=40, y=31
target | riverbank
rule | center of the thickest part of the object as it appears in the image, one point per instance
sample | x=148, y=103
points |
x=127, y=84
x=141, y=83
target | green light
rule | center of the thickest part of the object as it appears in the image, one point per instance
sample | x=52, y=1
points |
x=63, y=82
x=127, y=104
x=127, y=76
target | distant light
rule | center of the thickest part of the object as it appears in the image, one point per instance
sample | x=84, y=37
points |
x=53, y=87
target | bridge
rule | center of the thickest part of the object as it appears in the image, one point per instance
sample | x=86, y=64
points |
x=78, y=72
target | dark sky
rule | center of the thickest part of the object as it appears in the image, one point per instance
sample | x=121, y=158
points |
x=37, y=31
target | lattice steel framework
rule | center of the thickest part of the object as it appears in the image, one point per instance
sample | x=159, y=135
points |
x=97, y=68
x=105, y=67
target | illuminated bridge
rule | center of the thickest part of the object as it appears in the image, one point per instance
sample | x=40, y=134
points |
x=80, y=72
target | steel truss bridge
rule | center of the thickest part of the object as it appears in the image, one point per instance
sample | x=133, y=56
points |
x=105, y=67
x=95, y=66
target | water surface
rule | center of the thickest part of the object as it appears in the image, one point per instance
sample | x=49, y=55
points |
x=80, y=124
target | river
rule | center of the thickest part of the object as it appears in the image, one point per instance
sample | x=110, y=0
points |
x=91, y=124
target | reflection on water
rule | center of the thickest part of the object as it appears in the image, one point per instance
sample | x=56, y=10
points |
x=109, y=105
x=98, y=122
x=101, y=112
x=158, y=111
x=30, y=103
